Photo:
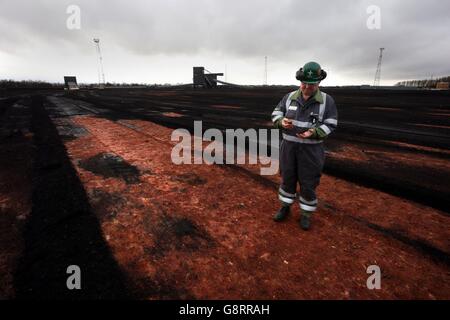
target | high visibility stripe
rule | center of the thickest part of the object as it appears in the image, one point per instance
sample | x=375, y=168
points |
x=289, y=100
x=276, y=118
x=302, y=124
x=313, y=202
x=284, y=199
x=322, y=106
x=325, y=129
x=307, y=208
x=330, y=121
x=277, y=113
x=286, y=194
x=300, y=140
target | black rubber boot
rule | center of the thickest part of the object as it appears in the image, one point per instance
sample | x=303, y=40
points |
x=281, y=214
x=305, y=222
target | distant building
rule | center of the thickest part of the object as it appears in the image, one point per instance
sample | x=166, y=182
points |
x=70, y=83
x=206, y=80
x=442, y=85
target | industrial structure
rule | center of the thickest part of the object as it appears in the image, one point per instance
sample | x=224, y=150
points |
x=205, y=80
x=265, y=71
x=70, y=83
x=376, y=81
x=442, y=85
x=101, y=74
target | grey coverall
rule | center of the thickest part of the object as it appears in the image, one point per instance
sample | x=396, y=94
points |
x=302, y=160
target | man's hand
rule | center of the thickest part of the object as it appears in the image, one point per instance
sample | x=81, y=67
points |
x=306, y=134
x=286, y=123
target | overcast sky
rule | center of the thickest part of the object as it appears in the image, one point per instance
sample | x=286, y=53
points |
x=153, y=41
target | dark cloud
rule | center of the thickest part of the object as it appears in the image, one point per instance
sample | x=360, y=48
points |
x=414, y=33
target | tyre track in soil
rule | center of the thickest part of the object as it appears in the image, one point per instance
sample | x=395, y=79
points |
x=422, y=190
x=404, y=188
x=423, y=246
x=229, y=242
x=204, y=105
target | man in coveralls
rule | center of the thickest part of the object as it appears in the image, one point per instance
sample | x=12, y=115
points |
x=306, y=117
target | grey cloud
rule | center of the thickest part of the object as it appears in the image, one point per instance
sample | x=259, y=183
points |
x=414, y=33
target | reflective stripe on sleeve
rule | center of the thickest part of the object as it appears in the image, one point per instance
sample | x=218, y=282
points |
x=276, y=118
x=325, y=129
x=330, y=121
x=277, y=113
x=300, y=140
x=302, y=124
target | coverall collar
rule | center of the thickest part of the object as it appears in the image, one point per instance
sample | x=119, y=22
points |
x=317, y=96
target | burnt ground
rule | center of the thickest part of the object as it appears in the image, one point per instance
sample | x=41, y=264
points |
x=386, y=134
x=87, y=180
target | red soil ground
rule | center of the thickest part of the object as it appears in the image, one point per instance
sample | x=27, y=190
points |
x=205, y=231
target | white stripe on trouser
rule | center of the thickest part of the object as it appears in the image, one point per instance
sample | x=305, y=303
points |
x=306, y=205
x=313, y=202
x=307, y=208
x=286, y=200
x=287, y=194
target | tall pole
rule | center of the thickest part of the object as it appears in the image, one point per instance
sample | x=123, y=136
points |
x=101, y=80
x=226, y=73
x=376, y=81
x=265, y=70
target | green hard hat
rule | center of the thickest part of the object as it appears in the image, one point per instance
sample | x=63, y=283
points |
x=311, y=73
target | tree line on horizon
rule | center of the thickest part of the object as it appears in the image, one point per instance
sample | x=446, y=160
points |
x=424, y=83
x=36, y=84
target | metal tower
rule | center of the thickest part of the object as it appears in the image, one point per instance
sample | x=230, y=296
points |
x=376, y=81
x=101, y=74
x=226, y=73
x=265, y=70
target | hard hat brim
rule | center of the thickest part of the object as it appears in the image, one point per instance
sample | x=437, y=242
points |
x=310, y=81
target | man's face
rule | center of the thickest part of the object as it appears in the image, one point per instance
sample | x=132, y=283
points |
x=308, y=89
